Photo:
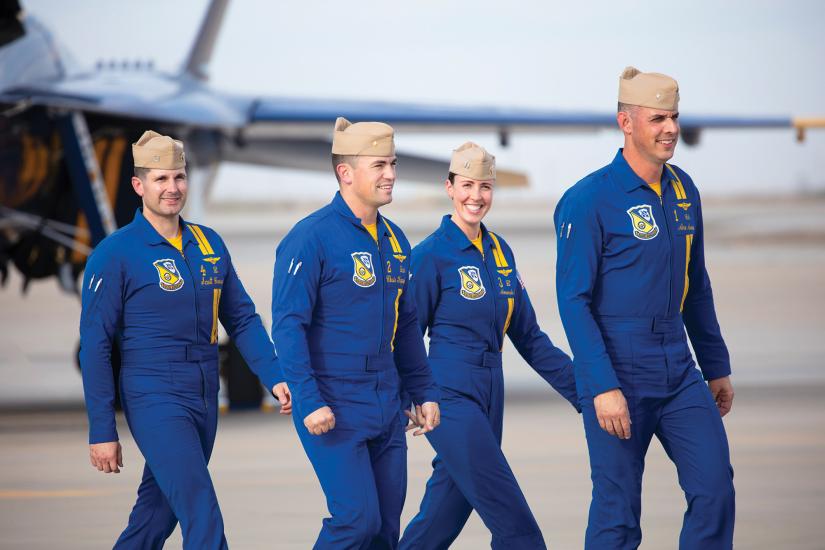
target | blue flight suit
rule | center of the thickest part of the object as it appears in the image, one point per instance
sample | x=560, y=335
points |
x=469, y=302
x=164, y=308
x=630, y=278
x=346, y=330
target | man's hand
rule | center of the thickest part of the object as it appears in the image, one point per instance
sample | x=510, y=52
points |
x=426, y=418
x=722, y=391
x=320, y=421
x=281, y=392
x=106, y=457
x=611, y=410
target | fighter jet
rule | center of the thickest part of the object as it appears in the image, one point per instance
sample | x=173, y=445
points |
x=65, y=160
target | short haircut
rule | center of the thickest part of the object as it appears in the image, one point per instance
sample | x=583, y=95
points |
x=141, y=172
x=352, y=160
x=626, y=107
x=451, y=177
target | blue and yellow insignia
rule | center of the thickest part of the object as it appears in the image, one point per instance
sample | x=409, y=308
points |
x=213, y=260
x=170, y=277
x=472, y=287
x=644, y=225
x=364, y=274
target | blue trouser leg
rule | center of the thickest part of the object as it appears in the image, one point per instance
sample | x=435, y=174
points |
x=364, y=498
x=693, y=435
x=388, y=455
x=468, y=443
x=362, y=463
x=151, y=521
x=616, y=468
x=174, y=428
x=689, y=427
x=442, y=514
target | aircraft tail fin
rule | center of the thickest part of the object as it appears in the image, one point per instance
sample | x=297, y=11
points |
x=197, y=61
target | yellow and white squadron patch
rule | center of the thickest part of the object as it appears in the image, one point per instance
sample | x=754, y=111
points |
x=472, y=287
x=643, y=222
x=170, y=277
x=364, y=275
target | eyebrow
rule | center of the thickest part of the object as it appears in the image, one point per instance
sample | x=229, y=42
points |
x=656, y=116
x=377, y=163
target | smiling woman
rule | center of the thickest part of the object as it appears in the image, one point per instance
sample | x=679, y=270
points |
x=470, y=297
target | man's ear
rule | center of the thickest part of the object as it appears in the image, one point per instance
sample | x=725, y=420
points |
x=137, y=185
x=344, y=172
x=625, y=122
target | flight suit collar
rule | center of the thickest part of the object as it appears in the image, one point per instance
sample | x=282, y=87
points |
x=342, y=208
x=456, y=236
x=628, y=180
x=152, y=237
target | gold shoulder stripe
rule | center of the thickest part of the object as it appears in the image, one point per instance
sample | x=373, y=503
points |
x=498, y=253
x=677, y=184
x=203, y=243
x=396, y=247
x=197, y=238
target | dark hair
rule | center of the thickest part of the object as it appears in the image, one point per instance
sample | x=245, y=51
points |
x=626, y=107
x=342, y=159
x=451, y=177
x=141, y=172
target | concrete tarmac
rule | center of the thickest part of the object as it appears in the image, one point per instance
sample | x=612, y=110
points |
x=50, y=497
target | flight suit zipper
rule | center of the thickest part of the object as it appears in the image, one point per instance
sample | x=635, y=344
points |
x=379, y=274
x=666, y=222
x=204, y=384
x=493, y=297
x=195, y=292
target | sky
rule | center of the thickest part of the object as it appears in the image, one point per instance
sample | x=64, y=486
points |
x=739, y=57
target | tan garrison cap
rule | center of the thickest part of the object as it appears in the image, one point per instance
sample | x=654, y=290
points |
x=153, y=150
x=473, y=161
x=654, y=90
x=374, y=139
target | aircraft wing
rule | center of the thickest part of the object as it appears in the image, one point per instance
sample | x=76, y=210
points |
x=307, y=153
x=284, y=115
